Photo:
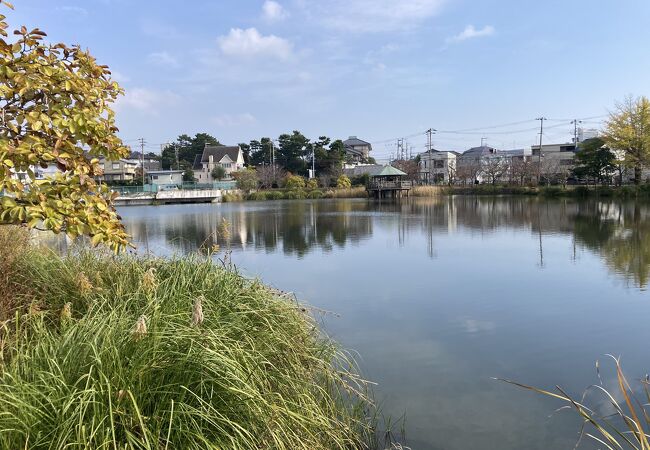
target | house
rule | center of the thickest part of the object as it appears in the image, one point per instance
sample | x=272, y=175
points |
x=119, y=170
x=160, y=177
x=561, y=154
x=479, y=164
x=437, y=167
x=357, y=150
x=231, y=158
x=149, y=164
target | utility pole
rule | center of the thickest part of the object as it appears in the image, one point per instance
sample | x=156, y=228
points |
x=539, y=155
x=313, y=161
x=575, y=123
x=400, y=149
x=430, y=133
x=142, y=143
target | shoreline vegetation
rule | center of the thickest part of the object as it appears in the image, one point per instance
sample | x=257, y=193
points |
x=103, y=351
x=629, y=191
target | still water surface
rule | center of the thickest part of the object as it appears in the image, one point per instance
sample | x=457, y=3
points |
x=440, y=295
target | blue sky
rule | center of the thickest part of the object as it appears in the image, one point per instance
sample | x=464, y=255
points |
x=378, y=69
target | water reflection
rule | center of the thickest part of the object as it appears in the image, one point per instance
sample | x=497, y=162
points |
x=619, y=232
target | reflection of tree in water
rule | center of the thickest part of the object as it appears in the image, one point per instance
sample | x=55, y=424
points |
x=620, y=232
x=295, y=227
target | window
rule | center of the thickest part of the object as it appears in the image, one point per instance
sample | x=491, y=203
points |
x=226, y=165
x=116, y=166
x=155, y=177
x=568, y=148
x=438, y=164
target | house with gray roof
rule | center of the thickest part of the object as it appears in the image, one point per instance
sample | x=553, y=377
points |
x=231, y=158
x=357, y=150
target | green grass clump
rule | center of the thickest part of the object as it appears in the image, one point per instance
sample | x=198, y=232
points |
x=274, y=195
x=295, y=194
x=233, y=196
x=315, y=194
x=257, y=196
x=130, y=353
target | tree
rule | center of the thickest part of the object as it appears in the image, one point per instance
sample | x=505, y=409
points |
x=246, y=179
x=343, y=182
x=295, y=182
x=218, y=173
x=628, y=130
x=494, y=168
x=55, y=102
x=270, y=176
x=187, y=148
x=246, y=151
x=409, y=167
x=594, y=160
x=293, y=149
x=522, y=171
x=188, y=176
x=312, y=183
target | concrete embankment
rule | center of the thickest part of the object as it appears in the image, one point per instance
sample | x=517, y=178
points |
x=169, y=197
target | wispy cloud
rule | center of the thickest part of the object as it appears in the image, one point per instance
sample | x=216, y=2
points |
x=470, y=32
x=273, y=11
x=162, y=59
x=375, y=15
x=73, y=10
x=250, y=43
x=147, y=101
x=233, y=120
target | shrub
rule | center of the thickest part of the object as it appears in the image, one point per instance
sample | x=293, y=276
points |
x=315, y=194
x=312, y=183
x=553, y=191
x=274, y=195
x=257, y=196
x=295, y=182
x=246, y=179
x=343, y=182
x=232, y=196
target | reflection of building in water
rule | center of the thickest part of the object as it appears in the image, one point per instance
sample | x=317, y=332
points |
x=295, y=227
x=618, y=232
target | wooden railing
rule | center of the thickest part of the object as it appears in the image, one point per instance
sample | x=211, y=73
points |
x=381, y=184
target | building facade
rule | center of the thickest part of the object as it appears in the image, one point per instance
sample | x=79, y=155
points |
x=230, y=158
x=160, y=177
x=357, y=150
x=119, y=170
x=437, y=167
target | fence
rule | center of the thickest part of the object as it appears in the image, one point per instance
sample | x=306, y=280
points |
x=153, y=188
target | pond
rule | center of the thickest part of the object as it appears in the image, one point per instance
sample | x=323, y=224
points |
x=439, y=295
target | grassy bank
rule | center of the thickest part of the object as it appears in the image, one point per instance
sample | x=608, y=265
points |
x=296, y=194
x=642, y=191
x=123, y=352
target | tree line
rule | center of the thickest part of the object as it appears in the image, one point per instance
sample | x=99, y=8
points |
x=290, y=152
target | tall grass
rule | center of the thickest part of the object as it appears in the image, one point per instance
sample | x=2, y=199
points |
x=627, y=427
x=355, y=192
x=130, y=353
x=427, y=191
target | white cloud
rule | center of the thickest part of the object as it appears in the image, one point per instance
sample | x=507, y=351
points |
x=471, y=33
x=273, y=11
x=233, y=120
x=147, y=101
x=250, y=43
x=162, y=59
x=119, y=77
x=376, y=15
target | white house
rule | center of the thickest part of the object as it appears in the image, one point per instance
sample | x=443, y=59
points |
x=231, y=158
x=437, y=167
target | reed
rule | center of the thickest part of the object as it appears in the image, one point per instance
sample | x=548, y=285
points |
x=625, y=427
x=146, y=353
